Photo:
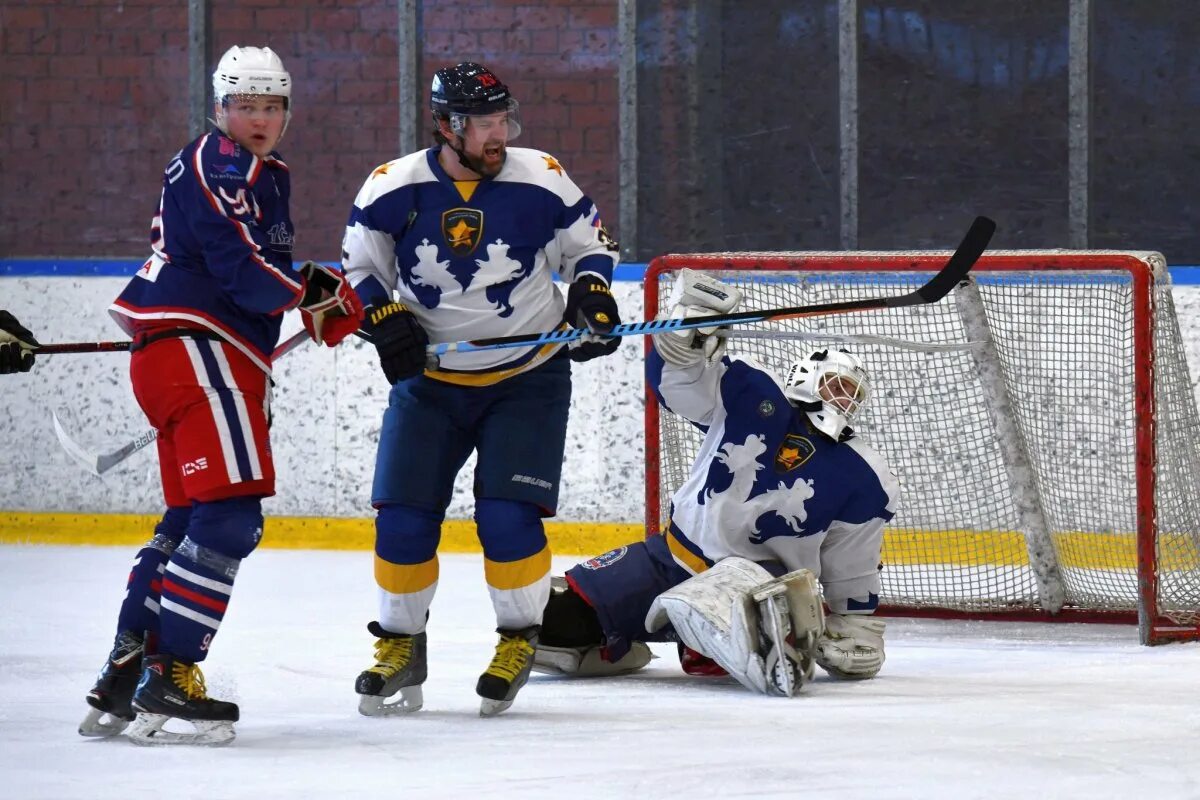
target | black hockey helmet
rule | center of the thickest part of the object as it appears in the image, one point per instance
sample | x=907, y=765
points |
x=469, y=89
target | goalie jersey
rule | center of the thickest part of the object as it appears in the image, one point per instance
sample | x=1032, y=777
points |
x=475, y=259
x=767, y=486
x=222, y=250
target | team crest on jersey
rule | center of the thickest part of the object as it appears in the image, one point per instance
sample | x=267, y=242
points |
x=766, y=408
x=793, y=452
x=463, y=228
x=605, y=559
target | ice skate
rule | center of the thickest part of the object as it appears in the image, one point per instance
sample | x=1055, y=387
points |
x=171, y=689
x=111, y=696
x=509, y=670
x=400, y=666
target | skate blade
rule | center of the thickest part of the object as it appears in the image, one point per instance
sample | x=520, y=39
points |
x=373, y=705
x=147, y=731
x=490, y=708
x=100, y=724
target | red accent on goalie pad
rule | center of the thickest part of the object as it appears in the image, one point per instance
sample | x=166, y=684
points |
x=207, y=401
x=702, y=666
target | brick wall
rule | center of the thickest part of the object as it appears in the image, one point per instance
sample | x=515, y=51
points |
x=94, y=103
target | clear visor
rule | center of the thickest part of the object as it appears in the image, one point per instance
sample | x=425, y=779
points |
x=504, y=125
x=254, y=106
x=843, y=392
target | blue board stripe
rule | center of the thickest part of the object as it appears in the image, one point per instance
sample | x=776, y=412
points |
x=1184, y=275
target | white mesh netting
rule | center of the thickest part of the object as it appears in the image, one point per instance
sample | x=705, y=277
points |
x=1063, y=333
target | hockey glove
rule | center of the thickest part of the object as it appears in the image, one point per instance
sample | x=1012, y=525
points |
x=591, y=305
x=330, y=308
x=399, y=338
x=16, y=342
x=695, y=296
x=851, y=647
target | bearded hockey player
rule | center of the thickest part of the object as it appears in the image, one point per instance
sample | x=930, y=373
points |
x=462, y=241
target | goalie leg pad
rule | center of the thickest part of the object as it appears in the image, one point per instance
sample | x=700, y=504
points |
x=740, y=616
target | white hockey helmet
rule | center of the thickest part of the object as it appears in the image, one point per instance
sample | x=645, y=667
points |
x=251, y=70
x=832, y=386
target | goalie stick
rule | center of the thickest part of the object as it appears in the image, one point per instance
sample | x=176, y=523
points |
x=100, y=463
x=960, y=263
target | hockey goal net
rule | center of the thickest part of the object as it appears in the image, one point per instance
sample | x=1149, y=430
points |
x=1040, y=419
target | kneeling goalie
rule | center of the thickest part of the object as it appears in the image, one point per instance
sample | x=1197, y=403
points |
x=782, y=495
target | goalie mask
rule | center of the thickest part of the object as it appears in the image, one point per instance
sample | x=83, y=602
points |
x=832, y=386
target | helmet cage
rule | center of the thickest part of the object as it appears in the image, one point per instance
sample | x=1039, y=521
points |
x=831, y=387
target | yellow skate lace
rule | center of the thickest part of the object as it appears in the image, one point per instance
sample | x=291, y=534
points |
x=189, y=679
x=512, y=654
x=392, y=655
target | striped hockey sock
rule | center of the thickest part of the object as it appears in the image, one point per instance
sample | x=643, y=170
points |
x=196, y=586
x=139, y=609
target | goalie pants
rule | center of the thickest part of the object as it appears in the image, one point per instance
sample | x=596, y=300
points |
x=621, y=584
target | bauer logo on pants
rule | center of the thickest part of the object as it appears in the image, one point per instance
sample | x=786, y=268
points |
x=463, y=228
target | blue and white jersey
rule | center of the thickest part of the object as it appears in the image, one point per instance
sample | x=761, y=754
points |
x=766, y=485
x=222, y=250
x=475, y=259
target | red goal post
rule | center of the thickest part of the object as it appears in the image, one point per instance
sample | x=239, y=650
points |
x=1040, y=419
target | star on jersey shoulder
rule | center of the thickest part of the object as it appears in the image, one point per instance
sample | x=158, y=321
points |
x=380, y=170
x=552, y=163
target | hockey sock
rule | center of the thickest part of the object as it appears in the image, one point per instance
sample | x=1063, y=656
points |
x=139, y=610
x=195, y=593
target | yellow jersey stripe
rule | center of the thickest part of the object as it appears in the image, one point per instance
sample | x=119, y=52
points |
x=684, y=557
x=489, y=378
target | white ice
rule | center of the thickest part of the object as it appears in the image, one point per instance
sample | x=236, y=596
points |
x=961, y=710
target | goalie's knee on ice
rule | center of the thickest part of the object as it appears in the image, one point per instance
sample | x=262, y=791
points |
x=231, y=527
x=760, y=629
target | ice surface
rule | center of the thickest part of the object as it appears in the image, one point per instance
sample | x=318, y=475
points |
x=961, y=710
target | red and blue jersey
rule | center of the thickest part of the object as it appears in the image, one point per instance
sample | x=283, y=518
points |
x=222, y=250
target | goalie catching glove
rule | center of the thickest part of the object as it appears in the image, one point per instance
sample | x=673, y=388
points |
x=851, y=646
x=330, y=309
x=591, y=305
x=693, y=296
x=16, y=345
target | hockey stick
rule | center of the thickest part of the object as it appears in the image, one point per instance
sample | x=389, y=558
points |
x=98, y=464
x=960, y=263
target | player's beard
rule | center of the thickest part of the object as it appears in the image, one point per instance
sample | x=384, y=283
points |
x=490, y=161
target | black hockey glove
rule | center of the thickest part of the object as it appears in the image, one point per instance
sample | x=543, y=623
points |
x=399, y=338
x=15, y=341
x=591, y=305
